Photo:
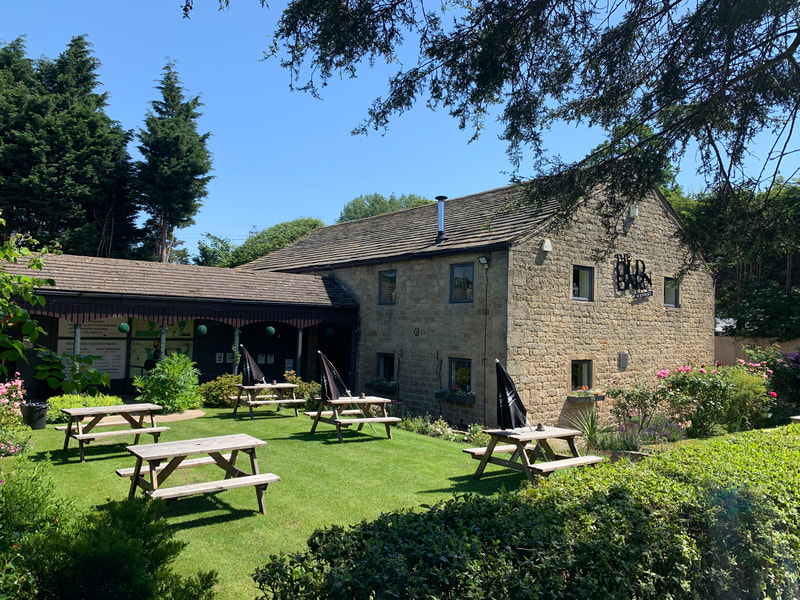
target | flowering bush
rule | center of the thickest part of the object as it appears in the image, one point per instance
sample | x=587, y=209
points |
x=14, y=436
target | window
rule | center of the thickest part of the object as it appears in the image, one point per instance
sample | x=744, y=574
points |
x=386, y=367
x=671, y=292
x=582, y=283
x=387, y=287
x=581, y=374
x=462, y=278
x=460, y=374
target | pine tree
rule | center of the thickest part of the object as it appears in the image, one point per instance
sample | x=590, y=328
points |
x=173, y=176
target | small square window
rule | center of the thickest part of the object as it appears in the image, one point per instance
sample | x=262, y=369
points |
x=386, y=367
x=460, y=374
x=582, y=283
x=581, y=374
x=462, y=278
x=387, y=292
x=671, y=292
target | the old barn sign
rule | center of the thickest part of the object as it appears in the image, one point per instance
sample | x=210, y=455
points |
x=632, y=275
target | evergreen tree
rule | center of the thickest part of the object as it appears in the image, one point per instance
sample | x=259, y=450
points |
x=64, y=165
x=173, y=176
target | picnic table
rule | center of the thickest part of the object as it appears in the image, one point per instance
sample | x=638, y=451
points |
x=163, y=459
x=530, y=451
x=138, y=418
x=352, y=410
x=261, y=394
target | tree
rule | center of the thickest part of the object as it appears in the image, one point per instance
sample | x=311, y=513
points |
x=64, y=165
x=376, y=204
x=214, y=253
x=173, y=176
x=271, y=239
x=706, y=76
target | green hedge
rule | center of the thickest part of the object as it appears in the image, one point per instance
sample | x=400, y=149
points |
x=712, y=520
x=56, y=403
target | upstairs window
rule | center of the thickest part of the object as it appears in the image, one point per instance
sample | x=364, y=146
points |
x=671, y=292
x=387, y=287
x=462, y=278
x=582, y=283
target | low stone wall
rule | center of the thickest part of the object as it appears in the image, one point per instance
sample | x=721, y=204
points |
x=728, y=349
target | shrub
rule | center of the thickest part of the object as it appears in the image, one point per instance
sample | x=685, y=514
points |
x=713, y=520
x=748, y=402
x=54, y=414
x=50, y=551
x=14, y=435
x=310, y=390
x=700, y=398
x=476, y=437
x=216, y=393
x=71, y=373
x=634, y=409
x=173, y=383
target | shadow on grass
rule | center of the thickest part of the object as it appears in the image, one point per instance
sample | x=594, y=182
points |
x=90, y=453
x=190, y=508
x=330, y=437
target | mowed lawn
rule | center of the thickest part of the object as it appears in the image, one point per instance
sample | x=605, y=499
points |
x=322, y=483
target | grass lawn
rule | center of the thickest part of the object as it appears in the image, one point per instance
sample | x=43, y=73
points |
x=322, y=483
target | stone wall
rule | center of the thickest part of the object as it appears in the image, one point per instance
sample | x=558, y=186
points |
x=423, y=329
x=548, y=329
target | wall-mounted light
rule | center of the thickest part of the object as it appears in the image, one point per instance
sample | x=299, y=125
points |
x=547, y=245
x=485, y=261
x=633, y=211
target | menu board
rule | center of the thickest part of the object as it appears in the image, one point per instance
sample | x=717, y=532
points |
x=111, y=354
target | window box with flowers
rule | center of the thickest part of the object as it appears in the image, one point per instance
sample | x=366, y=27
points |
x=586, y=394
x=455, y=394
x=381, y=384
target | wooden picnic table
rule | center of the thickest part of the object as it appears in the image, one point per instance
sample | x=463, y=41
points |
x=526, y=446
x=352, y=410
x=163, y=459
x=140, y=418
x=261, y=394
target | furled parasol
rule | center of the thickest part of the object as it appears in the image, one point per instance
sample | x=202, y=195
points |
x=510, y=411
x=251, y=374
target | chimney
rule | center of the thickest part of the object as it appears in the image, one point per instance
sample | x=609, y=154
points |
x=440, y=237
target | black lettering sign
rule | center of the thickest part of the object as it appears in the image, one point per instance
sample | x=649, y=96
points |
x=632, y=276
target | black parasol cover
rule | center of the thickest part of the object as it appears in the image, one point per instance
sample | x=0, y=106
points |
x=333, y=386
x=251, y=374
x=510, y=411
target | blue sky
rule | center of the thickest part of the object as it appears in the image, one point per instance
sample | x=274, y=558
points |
x=278, y=155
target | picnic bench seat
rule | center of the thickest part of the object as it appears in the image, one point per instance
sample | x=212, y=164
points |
x=545, y=468
x=259, y=481
x=154, y=431
x=329, y=413
x=479, y=452
x=100, y=424
x=267, y=400
x=190, y=462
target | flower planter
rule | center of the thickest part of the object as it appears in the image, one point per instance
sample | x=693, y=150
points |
x=584, y=399
x=458, y=398
x=389, y=388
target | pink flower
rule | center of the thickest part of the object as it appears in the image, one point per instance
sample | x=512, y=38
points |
x=662, y=373
x=702, y=370
x=773, y=394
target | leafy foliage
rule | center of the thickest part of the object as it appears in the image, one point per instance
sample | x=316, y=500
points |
x=71, y=373
x=271, y=239
x=173, y=176
x=217, y=392
x=707, y=521
x=17, y=328
x=173, y=384
x=377, y=204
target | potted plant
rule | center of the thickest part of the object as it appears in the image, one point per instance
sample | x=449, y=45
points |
x=586, y=394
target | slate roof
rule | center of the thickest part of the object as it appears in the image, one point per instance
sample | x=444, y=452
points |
x=87, y=275
x=471, y=223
